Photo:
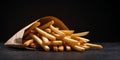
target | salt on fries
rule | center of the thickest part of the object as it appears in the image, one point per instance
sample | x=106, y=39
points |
x=50, y=37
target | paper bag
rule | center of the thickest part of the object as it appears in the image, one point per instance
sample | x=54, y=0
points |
x=16, y=40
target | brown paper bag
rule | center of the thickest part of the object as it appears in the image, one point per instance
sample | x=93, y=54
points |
x=16, y=40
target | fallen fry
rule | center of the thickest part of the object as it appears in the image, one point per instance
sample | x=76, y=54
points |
x=49, y=36
x=81, y=34
x=94, y=46
x=57, y=31
x=32, y=27
x=28, y=42
x=46, y=25
x=39, y=41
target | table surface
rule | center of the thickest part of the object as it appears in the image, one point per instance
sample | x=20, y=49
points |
x=111, y=51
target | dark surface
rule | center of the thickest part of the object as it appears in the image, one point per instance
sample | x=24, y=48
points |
x=111, y=51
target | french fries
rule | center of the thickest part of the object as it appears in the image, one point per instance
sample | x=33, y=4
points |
x=81, y=33
x=28, y=42
x=45, y=40
x=32, y=27
x=50, y=37
x=70, y=41
x=57, y=31
x=37, y=39
x=47, y=25
x=94, y=46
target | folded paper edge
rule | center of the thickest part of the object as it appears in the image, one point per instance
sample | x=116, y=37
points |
x=16, y=39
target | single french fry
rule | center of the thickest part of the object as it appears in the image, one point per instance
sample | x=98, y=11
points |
x=68, y=32
x=28, y=42
x=94, y=46
x=81, y=39
x=70, y=41
x=56, y=43
x=61, y=48
x=57, y=36
x=39, y=41
x=32, y=27
x=49, y=36
x=78, y=48
x=84, y=39
x=48, y=30
x=57, y=31
x=81, y=33
x=86, y=47
x=46, y=25
x=68, y=48
x=55, y=48
x=45, y=40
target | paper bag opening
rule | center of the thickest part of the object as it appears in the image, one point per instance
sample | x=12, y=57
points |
x=16, y=39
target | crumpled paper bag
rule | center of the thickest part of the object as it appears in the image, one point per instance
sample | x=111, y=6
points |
x=16, y=39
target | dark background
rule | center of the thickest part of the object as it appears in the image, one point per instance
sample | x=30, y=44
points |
x=100, y=17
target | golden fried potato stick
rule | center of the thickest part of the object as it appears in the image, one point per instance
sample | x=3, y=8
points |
x=57, y=31
x=81, y=33
x=81, y=39
x=45, y=40
x=68, y=32
x=31, y=27
x=68, y=48
x=55, y=48
x=70, y=41
x=57, y=36
x=61, y=48
x=84, y=39
x=48, y=30
x=47, y=35
x=94, y=46
x=39, y=41
x=46, y=25
x=78, y=48
x=86, y=47
x=28, y=42
x=55, y=43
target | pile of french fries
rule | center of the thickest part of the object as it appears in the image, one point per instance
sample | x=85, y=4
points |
x=50, y=38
